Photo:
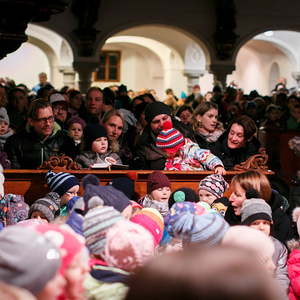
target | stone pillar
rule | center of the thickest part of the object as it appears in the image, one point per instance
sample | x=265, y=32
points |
x=68, y=76
x=85, y=70
x=296, y=76
x=220, y=72
x=192, y=78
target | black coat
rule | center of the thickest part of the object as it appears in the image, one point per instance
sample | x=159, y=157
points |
x=232, y=157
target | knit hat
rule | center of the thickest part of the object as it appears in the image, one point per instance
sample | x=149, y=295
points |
x=183, y=194
x=154, y=109
x=255, y=209
x=49, y=206
x=151, y=225
x=60, y=182
x=92, y=132
x=65, y=239
x=13, y=209
x=157, y=180
x=153, y=214
x=206, y=229
x=96, y=223
x=251, y=239
x=177, y=210
x=125, y=185
x=4, y=116
x=169, y=139
x=108, y=194
x=128, y=246
x=76, y=120
x=21, y=249
x=214, y=184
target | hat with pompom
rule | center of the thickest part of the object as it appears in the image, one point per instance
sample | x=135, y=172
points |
x=169, y=139
x=96, y=222
x=183, y=195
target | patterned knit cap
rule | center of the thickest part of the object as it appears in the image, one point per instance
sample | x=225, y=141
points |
x=48, y=205
x=169, y=139
x=96, y=222
x=214, y=184
x=60, y=182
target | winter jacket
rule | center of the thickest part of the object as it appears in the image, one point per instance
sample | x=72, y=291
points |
x=280, y=260
x=105, y=283
x=192, y=158
x=26, y=150
x=293, y=265
x=147, y=156
x=232, y=157
x=4, y=137
x=88, y=158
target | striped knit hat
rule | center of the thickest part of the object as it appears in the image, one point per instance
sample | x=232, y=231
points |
x=169, y=139
x=60, y=182
x=96, y=222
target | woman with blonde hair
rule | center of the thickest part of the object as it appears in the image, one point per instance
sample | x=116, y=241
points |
x=254, y=184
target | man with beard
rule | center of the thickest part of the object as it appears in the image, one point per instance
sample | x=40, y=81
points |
x=147, y=156
x=40, y=139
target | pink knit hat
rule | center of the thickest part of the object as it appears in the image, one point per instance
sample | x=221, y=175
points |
x=128, y=246
x=155, y=228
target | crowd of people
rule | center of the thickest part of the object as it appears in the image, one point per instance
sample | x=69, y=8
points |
x=227, y=240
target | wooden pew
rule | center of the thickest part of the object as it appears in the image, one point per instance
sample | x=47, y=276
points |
x=32, y=183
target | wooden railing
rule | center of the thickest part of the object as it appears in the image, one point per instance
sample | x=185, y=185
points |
x=32, y=183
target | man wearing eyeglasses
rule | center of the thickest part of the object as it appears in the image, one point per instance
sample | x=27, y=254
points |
x=40, y=139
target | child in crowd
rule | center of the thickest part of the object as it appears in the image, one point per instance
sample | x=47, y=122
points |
x=293, y=262
x=211, y=190
x=97, y=148
x=183, y=194
x=257, y=214
x=5, y=131
x=75, y=127
x=46, y=208
x=185, y=155
x=21, y=249
x=65, y=185
x=159, y=191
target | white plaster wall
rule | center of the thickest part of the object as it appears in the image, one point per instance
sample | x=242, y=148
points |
x=25, y=64
x=253, y=66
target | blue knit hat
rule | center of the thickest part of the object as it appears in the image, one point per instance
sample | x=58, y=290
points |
x=60, y=182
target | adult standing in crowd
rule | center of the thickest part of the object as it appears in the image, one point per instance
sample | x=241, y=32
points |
x=38, y=141
x=93, y=106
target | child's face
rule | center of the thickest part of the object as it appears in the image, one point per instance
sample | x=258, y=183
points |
x=75, y=275
x=38, y=215
x=161, y=194
x=237, y=198
x=67, y=196
x=3, y=127
x=100, y=145
x=75, y=131
x=262, y=225
x=206, y=196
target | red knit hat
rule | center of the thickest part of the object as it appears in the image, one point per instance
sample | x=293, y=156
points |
x=157, y=180
x=169, y=139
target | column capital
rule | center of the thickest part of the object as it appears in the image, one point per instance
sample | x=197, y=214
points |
x=193, y=73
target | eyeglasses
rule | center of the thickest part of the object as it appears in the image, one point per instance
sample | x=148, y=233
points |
x=45, y=120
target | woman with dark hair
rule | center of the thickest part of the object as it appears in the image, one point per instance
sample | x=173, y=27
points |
x=206, y=126
x=238, y=143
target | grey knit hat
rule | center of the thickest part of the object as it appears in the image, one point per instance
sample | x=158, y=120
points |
x=255, y=209
x=4, y=116
x=96, y=222
x=21, y=249
x=48, y=205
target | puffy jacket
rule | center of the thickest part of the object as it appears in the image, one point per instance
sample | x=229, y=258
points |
x=26, y=150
